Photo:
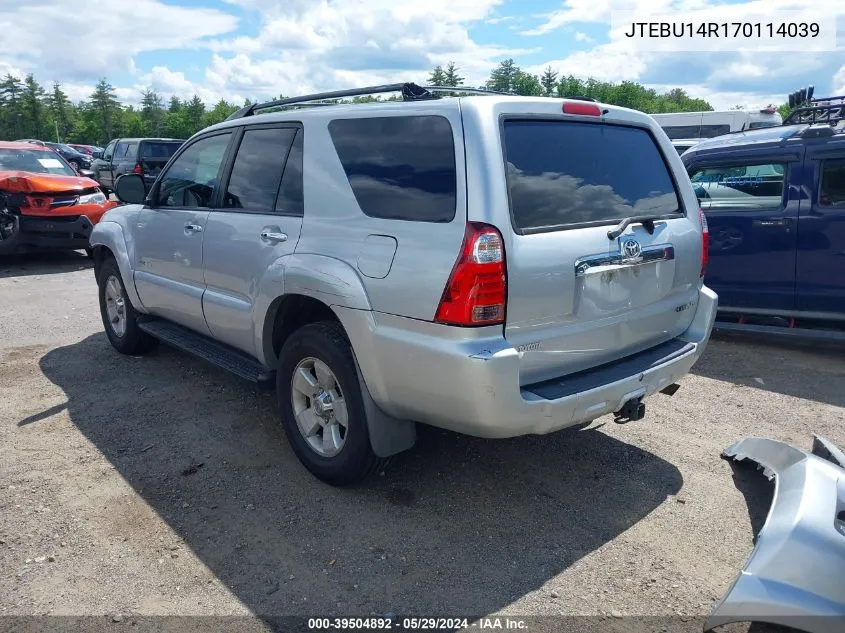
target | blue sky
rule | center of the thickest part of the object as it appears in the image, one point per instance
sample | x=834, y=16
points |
x=236, y=49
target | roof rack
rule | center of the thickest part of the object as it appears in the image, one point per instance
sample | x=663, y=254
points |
x=805, y=109
x=410, y=92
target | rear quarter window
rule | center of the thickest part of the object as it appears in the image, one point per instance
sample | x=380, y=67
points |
x=563, y=173
x=751, y=186
x=399, y=168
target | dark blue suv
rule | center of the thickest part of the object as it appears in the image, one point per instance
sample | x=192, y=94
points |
x=774, y=200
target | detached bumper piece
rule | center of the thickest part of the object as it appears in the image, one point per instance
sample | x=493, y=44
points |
x=795, y=576
x=70, y=232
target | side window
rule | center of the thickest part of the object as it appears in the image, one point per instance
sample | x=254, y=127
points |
x=832, y=190
x=257, y=170
x=752, y=186
x=711, y=131
x=399, y=168
x=676, y=132
x=192, y=178
x=131, y=151
x=291, y=200
x=109, y=151
x=120, y=151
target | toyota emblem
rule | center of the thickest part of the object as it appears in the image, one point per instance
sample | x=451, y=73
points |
x=631, y=248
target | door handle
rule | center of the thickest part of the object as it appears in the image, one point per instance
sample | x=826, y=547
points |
x=193, y=228
x=273, y=236
x=780, y=222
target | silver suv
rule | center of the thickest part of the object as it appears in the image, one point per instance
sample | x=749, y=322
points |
x=491, y=264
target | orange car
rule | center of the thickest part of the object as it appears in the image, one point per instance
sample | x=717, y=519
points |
x=44, y=203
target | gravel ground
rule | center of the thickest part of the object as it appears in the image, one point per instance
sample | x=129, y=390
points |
x=162, y=486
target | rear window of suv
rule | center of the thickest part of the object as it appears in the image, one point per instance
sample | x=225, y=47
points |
x=563, y=173
x=158, y=149
x=399, y=168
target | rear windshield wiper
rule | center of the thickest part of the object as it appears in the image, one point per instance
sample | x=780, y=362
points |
x=646, y=221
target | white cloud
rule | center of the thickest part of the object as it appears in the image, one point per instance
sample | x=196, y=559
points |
x=63, y=42
x=583, y=37
x=839, y=82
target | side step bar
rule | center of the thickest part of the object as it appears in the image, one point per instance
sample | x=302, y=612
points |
x=214, y=352
x=777, y=330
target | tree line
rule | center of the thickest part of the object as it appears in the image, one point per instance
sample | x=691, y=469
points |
x=29, y=110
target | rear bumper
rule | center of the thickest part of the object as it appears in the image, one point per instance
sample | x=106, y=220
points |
x=421, y=372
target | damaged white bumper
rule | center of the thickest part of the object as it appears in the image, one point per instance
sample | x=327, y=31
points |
x=796, y=574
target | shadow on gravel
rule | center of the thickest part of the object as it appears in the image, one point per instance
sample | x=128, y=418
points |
x=44, y=263
x=455, y=526
x=812, y=371
x=757, y=489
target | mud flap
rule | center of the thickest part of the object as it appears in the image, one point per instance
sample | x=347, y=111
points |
x=388, y=435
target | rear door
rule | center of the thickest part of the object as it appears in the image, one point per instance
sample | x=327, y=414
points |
x=820, y=282
x=102, y=169
x=753, y=219
x=577, y=297
x=256, y=221
x=124, y=158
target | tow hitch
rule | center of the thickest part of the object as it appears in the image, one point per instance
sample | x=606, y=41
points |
x=631, y=411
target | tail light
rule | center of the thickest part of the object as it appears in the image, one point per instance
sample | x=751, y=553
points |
x=477, y=288
x=138, y=169
x=705, y=241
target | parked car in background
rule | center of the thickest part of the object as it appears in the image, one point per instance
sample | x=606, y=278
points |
x=437, y=260
x=43, y=202
x=143, y=156
x=775, y=205
x=687, y=128
x=90, y=150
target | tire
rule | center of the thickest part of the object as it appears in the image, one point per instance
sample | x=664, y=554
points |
x=354, y=459
x=124, y=334
x=75, y=165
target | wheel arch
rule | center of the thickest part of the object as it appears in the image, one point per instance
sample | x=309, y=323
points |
x=108, y=238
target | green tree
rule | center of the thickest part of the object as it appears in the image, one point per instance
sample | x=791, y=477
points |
x=152, y=113
x=107, y=108
x=61, y=110
x=174, y=105
x=527, y=85
x=502, y=77
x=32, y=107
x=451, y=76
x=11, y=89
x=220, y=112
x=437, y=77
x=549, y=81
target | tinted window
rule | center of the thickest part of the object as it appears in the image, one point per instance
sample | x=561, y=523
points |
x=561, y=173
x=752, y=186
x=401, y=168
x=832, y=192
x=192, y=177
x=710, y=131
x=290, y=201
x=158, y=150
x=258, y=169
x=131, y=151
x=107, y=153
x=756, y=125
x=120, y=150
x=682, y=131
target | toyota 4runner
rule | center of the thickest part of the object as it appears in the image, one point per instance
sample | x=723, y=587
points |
x=491, y=264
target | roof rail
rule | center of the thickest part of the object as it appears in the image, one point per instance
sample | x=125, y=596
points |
x=410, y=92
x=805, y=109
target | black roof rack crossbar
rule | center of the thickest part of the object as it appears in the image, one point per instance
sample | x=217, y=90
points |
x=410, y=92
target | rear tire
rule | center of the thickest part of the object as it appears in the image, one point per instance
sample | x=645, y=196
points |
x=120, y=319
x=318, y=390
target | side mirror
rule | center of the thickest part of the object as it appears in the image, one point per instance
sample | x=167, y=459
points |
x=96, y=155
x=87, y=173
x=130, y=188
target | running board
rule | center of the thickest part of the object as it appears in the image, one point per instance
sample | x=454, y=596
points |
x=216, y=353
x=777, y=330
